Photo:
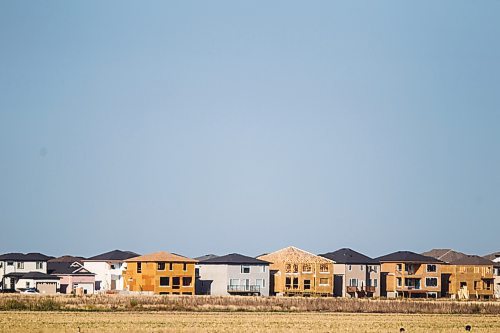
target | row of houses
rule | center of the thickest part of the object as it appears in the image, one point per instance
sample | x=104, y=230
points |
x=286, y=272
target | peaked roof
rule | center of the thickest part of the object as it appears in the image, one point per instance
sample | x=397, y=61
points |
x=67, y=268
x=39, y=276
x=115, y=255
x=407, y=256
x=472, y=260
x=292, y=254
x=206, y=256
x=348, y=256
x=492, y=256
x=446, y=255
x=233, y=259
x=16, y=256
x=161, y=256
x=67, y=258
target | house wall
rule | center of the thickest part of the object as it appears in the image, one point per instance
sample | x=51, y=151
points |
x=148, y=280
x=419, y=272
x=362, y=273
x=479, y=280
x=221, y=276
x=315, y=276
x=29, y=266
x=87, y=282
x=39, y=284
x=106, y=277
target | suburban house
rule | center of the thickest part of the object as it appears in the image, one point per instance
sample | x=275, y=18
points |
x=409, y=274
x=354, y=274
x=72, y=275
x=20, y=271
x=160, y=273
x=108, y=269
x=464, y=276
x=495, y=258
x=233, y=274
x=468, y=277
x=298, y=272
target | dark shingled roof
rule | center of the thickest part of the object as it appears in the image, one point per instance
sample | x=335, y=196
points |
x=348, y=256
x=472, y=260
x=407, y=256
x=66, y=268
x=115, y=255
x=206, y=256
x=233, y=259
x=492, y=256
x=67, y=258
x=24, y=257
x=39, y=276
x=446, y=255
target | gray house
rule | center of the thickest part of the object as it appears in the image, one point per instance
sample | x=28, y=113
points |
x=233, y=274
x=355, y=275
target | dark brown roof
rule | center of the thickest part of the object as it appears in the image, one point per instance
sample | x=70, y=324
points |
x=348, y=256
x=407, y=256
x=446, y=255
x=472, y=260
x=67, y=258
x=233, y=259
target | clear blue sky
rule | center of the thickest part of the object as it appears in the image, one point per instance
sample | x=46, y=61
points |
x=220, y=126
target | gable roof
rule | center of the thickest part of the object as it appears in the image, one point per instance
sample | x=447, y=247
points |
x=16, y=256
x=292, y=254
x=39, y=276
x=115, y=255
x=67, y=268
x=492, y=256
x=67, y=258
x=206, y=256
x=233, y=259
x=160, y=257
x=348, y=256
x=446, y=255
x=407, y=256
x=472, y=260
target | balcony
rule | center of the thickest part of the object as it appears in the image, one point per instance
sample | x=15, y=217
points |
x=351, y=289
x=369, y=289
x=243, y=289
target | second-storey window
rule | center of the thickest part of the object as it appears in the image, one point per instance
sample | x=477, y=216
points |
x=431, y=268
x=161, y=266
x=139, y=267
x=245, y=269
x=431, y=282
x=323, y=268
x=39, y=265
x=20, y=265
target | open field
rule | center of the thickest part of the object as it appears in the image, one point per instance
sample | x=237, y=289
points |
x=14, y=321
x=138, y=303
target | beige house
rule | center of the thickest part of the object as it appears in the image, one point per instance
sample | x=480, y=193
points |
x=295, y=272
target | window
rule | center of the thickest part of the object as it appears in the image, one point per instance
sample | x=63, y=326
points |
x=39, y=265
x=164, y=281
x=306, y=268
x=323, y=268
x=186, y=281
x=263, y=269
x=295, y=283
x=288, y=268
x=476, y=269
x=185, y=267
x=295, y=268
x=171, y=266
x=375, y=283
x=362, y=267
x=260, y=283
x=399, y=267
x=353, y=282
x=112, y=267
x=398, y=281
x=1, y=264
x=27, y=284
x=20, y=265
x=139, y=267
x=161, y=266
x=288, y=283
x=431, y=268
x=431, y=282
x=234, y=282
x=10, y=263
x=176, y=282
x=245, y=269
x=307, y=284
x=323, y=281
x=349, y=267
x=476, y=285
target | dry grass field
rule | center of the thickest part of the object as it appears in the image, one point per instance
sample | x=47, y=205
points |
x=29, y=321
